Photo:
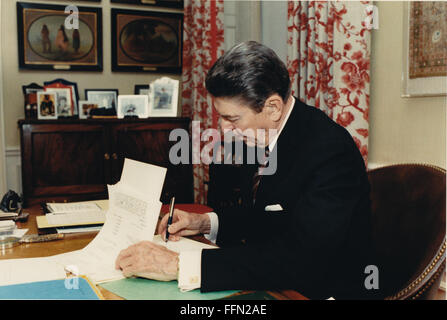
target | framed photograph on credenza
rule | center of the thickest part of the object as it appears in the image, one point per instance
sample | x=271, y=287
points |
x=106, y=99
x=30, y=96
x=141, y=89
x=46, y=105
x=85, y=108
x=73, y=86
x=132, y=106
x=63, y=101
x=163, y=97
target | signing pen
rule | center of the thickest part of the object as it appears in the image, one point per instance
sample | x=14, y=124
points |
x=171, y=214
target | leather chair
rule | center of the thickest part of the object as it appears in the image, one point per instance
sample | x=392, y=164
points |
x=409, y=224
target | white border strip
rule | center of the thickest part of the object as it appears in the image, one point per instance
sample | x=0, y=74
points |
x=2, y=117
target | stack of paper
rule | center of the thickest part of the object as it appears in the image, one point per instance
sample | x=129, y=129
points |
x=73, y=214
x=132, y=216
x=73, y=207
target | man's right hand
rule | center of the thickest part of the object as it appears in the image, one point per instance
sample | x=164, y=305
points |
x=184, y=224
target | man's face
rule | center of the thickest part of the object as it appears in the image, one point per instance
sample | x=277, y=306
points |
x=242, y=120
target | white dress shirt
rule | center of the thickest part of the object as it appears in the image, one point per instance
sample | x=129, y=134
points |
x=190, y=262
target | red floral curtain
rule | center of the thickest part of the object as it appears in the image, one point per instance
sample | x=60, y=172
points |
x=203, y=43
x=329, y=59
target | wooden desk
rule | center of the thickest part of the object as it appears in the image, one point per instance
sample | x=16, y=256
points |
x=78, y=241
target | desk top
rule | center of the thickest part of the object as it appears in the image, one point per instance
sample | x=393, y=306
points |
x=77, y=241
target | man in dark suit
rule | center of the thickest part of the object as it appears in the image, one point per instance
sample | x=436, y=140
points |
x=309, y=225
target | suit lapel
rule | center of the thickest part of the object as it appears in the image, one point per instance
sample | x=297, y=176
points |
x=287, y=154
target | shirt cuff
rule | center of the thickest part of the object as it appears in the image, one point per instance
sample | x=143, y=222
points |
x=214, y=220
x=190, y=268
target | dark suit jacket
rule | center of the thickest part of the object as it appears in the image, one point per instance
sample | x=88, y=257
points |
x=320, y=243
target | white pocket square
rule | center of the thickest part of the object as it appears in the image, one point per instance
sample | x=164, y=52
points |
x=273, y=207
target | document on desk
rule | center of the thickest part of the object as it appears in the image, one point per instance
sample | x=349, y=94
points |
x=132, y=217
x=15, y=271
x=73, y=207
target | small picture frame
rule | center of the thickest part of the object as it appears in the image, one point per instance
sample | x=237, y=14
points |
x=133, y=106
x=31, y=105
x=142, y=89
x=63, y=101
x=30, y=95
x=163, y=97
x=85, y=107
x=105, y=98
x=46, y=105
x=73, y=86
x=32, y=88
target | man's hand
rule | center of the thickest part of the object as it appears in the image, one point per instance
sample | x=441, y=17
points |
x=184, y=224
x=148, y=260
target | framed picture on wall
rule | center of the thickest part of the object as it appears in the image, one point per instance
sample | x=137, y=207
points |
x=424, y=69
x=47, y=41
x=161, y=3
x=145, y=41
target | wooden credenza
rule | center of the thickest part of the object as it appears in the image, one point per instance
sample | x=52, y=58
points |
x=74, y=160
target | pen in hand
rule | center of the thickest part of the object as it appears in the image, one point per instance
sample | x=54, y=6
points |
x=171, y=214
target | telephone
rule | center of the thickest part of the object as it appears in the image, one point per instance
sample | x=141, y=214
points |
x=10, y=202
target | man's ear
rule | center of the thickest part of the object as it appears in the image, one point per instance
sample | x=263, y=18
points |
x=274, y=106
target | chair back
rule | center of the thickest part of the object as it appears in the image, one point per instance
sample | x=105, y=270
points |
x=409, y=224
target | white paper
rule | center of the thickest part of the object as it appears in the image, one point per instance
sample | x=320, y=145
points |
x=16, y=271
x=76, y=218
x=78, y=229
x=19, y=233
x=73, y=206
x=139, y=176
x=132, y=217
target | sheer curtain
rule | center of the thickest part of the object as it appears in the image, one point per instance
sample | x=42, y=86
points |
x=329, y=61
x=203, y=43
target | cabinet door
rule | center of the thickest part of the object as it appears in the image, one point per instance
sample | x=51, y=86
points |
x=64, y=162
x=149, y=143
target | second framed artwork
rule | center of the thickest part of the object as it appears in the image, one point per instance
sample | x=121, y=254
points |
x=146, y=41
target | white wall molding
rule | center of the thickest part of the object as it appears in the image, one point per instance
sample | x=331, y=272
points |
x=3, y=183
x=13, y=169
